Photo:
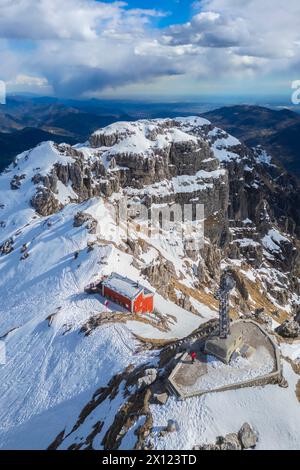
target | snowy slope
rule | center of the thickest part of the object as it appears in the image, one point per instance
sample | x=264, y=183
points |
x=50, y=367
x=53, y=368
x=272, y=411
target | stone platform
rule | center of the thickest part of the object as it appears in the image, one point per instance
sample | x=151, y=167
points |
x=258, y=363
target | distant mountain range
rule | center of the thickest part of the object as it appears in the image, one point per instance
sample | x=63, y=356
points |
x=25, y=121
x=277, y=131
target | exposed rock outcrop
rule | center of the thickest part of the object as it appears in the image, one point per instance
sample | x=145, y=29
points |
x=231, y=442
x=7, y=247
x=82, y=218
x=149, y=377
x=246, y=438
x=17, y=181
x=161, y=398
x=160, y=274
x=45, y=202
x=289, y=329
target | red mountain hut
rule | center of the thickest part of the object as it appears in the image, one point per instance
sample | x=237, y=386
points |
x=130, y=294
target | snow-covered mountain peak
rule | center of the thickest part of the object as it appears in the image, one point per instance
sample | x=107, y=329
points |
x=23, y=178
x=150, y=128
x=42, y=158
x=145, y=137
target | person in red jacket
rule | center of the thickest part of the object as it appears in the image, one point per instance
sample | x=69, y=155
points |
x=193, y=356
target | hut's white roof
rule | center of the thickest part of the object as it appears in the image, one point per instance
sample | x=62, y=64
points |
x=125, y=286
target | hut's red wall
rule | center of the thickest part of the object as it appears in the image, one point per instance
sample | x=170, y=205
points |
x=117, y=297
x=148, y=304
x=138, y=303
x=143, y=304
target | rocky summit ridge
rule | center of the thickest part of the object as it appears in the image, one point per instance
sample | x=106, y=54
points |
x=250, y=204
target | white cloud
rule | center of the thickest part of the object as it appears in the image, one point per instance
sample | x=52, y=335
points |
x=80, y=46
x=269, y=27
x=28, y=80
x=68, y=19
x=29, y=83
x=255, y=37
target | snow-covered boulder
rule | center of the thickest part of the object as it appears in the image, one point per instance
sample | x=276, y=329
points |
x=231, y=442
x=82, y=218
x=149, y=377
x=172, y=426
x=161, y=398
x=247, y=436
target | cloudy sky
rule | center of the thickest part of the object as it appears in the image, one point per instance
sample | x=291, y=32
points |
x=83, y=48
